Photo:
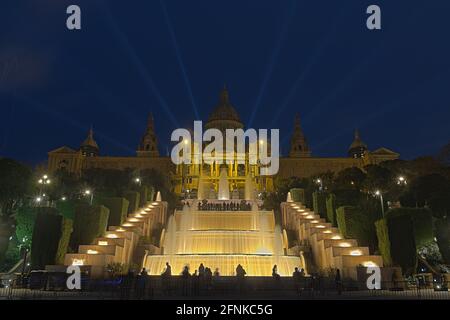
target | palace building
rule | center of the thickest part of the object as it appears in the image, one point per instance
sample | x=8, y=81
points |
x=203, y=179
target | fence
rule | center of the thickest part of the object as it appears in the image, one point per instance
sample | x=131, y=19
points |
x=175, y=287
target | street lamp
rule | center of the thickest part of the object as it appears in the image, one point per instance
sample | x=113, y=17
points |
x=43, y=182
x=379, y=194
x=401, y=180
x=319, y=183
x=138, y=181
x=89, y=194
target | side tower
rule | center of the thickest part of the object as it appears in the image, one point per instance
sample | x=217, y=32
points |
x=299, y=146
x=358, y=149
x=89, y=147
x=149, y=143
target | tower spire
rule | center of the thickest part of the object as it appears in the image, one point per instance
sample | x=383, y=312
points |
x=299, y=146
x=89, y=147
x=149, y=143
x=358, y=148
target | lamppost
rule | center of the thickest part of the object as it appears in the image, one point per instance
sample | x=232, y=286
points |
x=43, y=182
x=401, y=181
x=378, y=193
x=319, y=183
x=138, y=181
x=90, y=194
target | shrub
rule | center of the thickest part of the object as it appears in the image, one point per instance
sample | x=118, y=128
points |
x=133, y=198
x=384, y=244
x=331, y=209
x=422, y=220
x=50, y=238
x=25, y=220
x=319, y=204
x=90, y=222
x=118, y=210
x=403, y=245
x=143, y=191
x=355, y=224
x=298, y=195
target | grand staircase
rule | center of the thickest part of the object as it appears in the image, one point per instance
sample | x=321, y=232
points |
x=329, y=248
x=118, y=244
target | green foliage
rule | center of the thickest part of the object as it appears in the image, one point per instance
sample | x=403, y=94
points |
x=319, y=204
x=67, y=208
x=298, y=195
x=442, y=227
x=108, y=182
x=118, y=209
x=403, y=245
x=384, y=244
x=15, y=183
x=90, y=222
x=133, y=198
x=50, y=238
x=422, y=221
x=331, y=209
x=63, y=244
x=25, y=220
x=358, y=223
x=143, y=191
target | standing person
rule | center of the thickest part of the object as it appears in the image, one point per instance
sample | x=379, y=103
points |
x=166, y=278
x=185, y=278
x=275, y=274
x=240, y=275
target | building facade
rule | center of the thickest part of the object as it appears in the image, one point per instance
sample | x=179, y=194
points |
x=200, y=178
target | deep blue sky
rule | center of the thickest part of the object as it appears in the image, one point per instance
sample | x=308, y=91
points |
x=277, y=58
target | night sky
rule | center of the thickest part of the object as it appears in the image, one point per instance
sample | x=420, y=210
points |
x=172, y=58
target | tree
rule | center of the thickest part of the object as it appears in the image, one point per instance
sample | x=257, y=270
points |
x=15, y=184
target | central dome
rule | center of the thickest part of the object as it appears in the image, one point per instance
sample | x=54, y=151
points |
x=224, y=116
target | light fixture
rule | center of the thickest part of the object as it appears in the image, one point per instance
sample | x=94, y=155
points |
x=356, y=253
x=344, y=245
x=92, y=251
x=103, y=243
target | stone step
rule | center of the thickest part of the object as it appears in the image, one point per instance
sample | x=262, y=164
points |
x=111, y=241
x=352, y=251
x=346, y=243
x=98, y=249
x=355, y=261
x=89, y=259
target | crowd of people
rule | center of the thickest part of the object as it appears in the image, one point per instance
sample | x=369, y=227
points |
x=203, y=279
x=224, y=206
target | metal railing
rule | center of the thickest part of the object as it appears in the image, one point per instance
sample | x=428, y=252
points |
x=158, y=287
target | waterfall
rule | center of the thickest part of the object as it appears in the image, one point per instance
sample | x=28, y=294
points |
x=224, y=189
x=201, y=189
x=249, y=188
x=170, y=237
x=158, y=196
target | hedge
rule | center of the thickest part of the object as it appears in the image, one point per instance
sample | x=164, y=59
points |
x=51, y=236
x=353, y=224
x=331, y=209
x=403, y=245
x=90, y=222
x=25, y=220
x=118, y=210
x=133, y=198
x=319, y=204
x=67, y=208
x=384, y=244
x=143, y=191
x=422, y=220
x=443, y=238
x=298, y=195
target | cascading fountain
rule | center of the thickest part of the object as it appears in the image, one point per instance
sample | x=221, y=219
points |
x=224, y=188
x=223, y=239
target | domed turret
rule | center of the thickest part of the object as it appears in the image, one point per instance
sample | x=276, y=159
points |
x=358, y=148
x=89, y=147
x=224, y=116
